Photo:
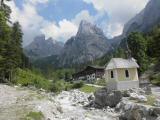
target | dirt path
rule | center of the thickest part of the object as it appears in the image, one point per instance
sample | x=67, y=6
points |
x=16, y=103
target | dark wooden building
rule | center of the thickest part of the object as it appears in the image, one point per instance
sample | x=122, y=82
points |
x=89, y=74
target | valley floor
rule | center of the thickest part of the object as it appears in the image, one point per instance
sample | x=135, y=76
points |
x=17, y=103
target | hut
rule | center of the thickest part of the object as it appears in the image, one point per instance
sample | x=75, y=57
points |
x=122, y=74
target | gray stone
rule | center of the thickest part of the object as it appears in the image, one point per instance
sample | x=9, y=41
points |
x=142, y=98
x=126, y=93
x=88, y=44
x=40, y=47
x=155, y=111
x=103, y=97
x=147, y=90
x=157, y=103
x=158, y=118
x=134, y=112
x=133, y=96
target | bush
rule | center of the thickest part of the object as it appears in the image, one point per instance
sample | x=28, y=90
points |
x=58, y=86
x=78, y=85
x=27, y=78
x=155, y=79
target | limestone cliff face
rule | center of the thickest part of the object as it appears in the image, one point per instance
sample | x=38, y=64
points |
x=89, y=43
x=146, y=19
x=41, y=47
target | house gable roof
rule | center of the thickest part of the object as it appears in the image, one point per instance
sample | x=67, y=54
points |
x=122, y=63
x=89, y=69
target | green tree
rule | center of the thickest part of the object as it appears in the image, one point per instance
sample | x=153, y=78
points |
x=154, y=43
x=120, y=52
x=13, y=53
x=138, y=46
x=5, y=37
x=5, y=9
x=17, y=37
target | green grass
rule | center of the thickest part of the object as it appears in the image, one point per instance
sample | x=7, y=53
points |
x=101, y=82
x=88, y=89
x=34, y=116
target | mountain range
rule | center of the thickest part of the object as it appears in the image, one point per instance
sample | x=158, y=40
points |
x=90, y=42
x=42, y=47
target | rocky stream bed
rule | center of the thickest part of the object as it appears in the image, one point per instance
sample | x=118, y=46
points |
x=17, y=102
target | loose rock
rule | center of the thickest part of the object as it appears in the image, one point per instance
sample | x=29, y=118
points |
x=103, y=97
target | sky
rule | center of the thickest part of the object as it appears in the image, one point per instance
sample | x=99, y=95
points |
x=60, y=19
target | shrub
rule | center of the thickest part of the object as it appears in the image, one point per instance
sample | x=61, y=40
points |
x=78, y=85
x=27, y=77
x=58, y=86
x=155, y=79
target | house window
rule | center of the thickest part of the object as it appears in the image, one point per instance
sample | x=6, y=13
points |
x=127, y=73
x=93, y=76
x=112, y=74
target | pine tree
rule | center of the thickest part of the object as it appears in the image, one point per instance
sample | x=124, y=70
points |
x=138, y=46
x=4, y=40
x=154, y=43
x=5, y=9
x=17, y=37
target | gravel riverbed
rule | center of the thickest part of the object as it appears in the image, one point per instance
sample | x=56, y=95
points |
x=17, y=102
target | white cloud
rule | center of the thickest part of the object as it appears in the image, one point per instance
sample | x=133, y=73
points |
x=98, y=4
x=63, y=31
x=113, y=29
x=119, y=12
x=29, y=19
x=33, y=24
x=83, y=15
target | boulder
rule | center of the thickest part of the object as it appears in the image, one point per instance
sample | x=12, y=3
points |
x=139, y=98
x=126, y=93
x=104, y=97
x=133, y=111
x=133, y=96
x=157, y=103
x=142, y=98
x=155, y=111
x=147, y=90
x=158, y=118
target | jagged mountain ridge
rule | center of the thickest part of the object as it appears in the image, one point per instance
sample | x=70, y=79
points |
x=86, y=45
x=144, y=21
x=89, y=44
x=41, y=47
x=148, y=18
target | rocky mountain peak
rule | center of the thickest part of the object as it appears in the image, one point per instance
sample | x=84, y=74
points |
x=87, y=28
x=42, y=47
x=89, y=43
x=148, y=18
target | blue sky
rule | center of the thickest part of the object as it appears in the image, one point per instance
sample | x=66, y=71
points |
x=60, y=19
